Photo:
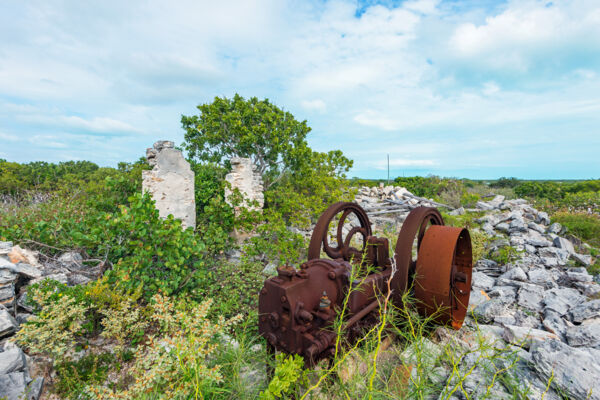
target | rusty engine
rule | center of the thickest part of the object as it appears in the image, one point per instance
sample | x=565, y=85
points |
x=297, y=307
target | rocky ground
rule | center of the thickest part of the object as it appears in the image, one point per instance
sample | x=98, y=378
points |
x=19, y=268
x=544, y=303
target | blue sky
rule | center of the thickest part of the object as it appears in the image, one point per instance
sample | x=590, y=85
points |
x=477, y=89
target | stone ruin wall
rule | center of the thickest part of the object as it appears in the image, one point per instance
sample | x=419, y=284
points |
x=245, y=177
x=170, y=183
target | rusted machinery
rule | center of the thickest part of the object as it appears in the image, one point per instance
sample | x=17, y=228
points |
x=297, y=307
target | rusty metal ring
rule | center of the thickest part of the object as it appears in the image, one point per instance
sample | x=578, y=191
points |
x=343, y=249
x=443, y=275
x=415, y=226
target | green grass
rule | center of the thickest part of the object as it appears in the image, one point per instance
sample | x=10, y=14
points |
x=584, y=226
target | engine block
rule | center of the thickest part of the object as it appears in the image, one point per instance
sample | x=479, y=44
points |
x=297, y=307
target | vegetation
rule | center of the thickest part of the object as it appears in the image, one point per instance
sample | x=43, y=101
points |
x=584, y=226
x=172, y=318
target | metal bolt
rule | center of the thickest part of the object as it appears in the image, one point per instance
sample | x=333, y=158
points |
x=283, y=299
x=331, y=275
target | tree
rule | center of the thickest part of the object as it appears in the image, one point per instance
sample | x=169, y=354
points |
x=299, y=182
x=271, y=137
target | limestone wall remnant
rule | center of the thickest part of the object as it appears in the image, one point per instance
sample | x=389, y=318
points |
x=245, y=177
x=170, y=183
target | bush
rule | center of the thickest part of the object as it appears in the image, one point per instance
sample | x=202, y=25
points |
x=178, y=363
x=505, y=183
x=153, y=253
x=584, y=226
x=539, y=189
x=57, y=328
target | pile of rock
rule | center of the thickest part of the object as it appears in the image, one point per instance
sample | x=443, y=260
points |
x=529, y=230
x=540, y=301
x=544, y=303
x=20, y=268
x=388, y=206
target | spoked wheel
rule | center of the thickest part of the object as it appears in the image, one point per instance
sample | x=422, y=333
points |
x=414, y=228
x=343, y=249
x=442, y=281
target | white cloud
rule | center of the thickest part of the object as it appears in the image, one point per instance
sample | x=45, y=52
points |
x=8, y=137
x=314, y=105
x=375, y=119
x=99, y=124
x=490, y=88
x=528, y=32
x=434, y=81
x=94, y=124
x=48, y=141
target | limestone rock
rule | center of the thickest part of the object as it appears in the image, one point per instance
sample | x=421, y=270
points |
x=8, y=325
x=171, y=183
x=503, y=227
x=554, y=323
x=486, y=311
x=536, y=239
x=70, y=258
x=541, y=277
x=517, y=225
x=530, y=297
x=583, y=259
x=12, y=360
x=579, y=276
x=13, y=385
x=5, y=247
x=587, y=310
x=555, y=228
x=458, y=211
x=478, y=296
x=515, y=273
x=586, y=334
x=505, y=294
x=562, y=299
x=564, y=244
x=524, y=337
x=543, y=218
x=575, y=371
x=27, y=270
x=479, y=279
x=19, y=255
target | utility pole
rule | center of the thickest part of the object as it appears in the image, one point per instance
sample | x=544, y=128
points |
x=388, y=157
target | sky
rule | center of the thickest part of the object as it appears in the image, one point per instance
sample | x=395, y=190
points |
x=476, y=89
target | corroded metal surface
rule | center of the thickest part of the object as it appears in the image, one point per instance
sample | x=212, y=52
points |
x=298, y=307
x=414, y=227
x=442, y=282
x=319, y=239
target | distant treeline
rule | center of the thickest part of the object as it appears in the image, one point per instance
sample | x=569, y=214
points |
x=41, y=176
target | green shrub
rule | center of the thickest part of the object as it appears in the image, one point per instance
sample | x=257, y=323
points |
x=505, y=183
x=178, y=362
x=584, y=226
x=58, y=327
x=289, y=374
x=73, y=377
x=504, y=255
x=539, y=189
x=153, y=253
